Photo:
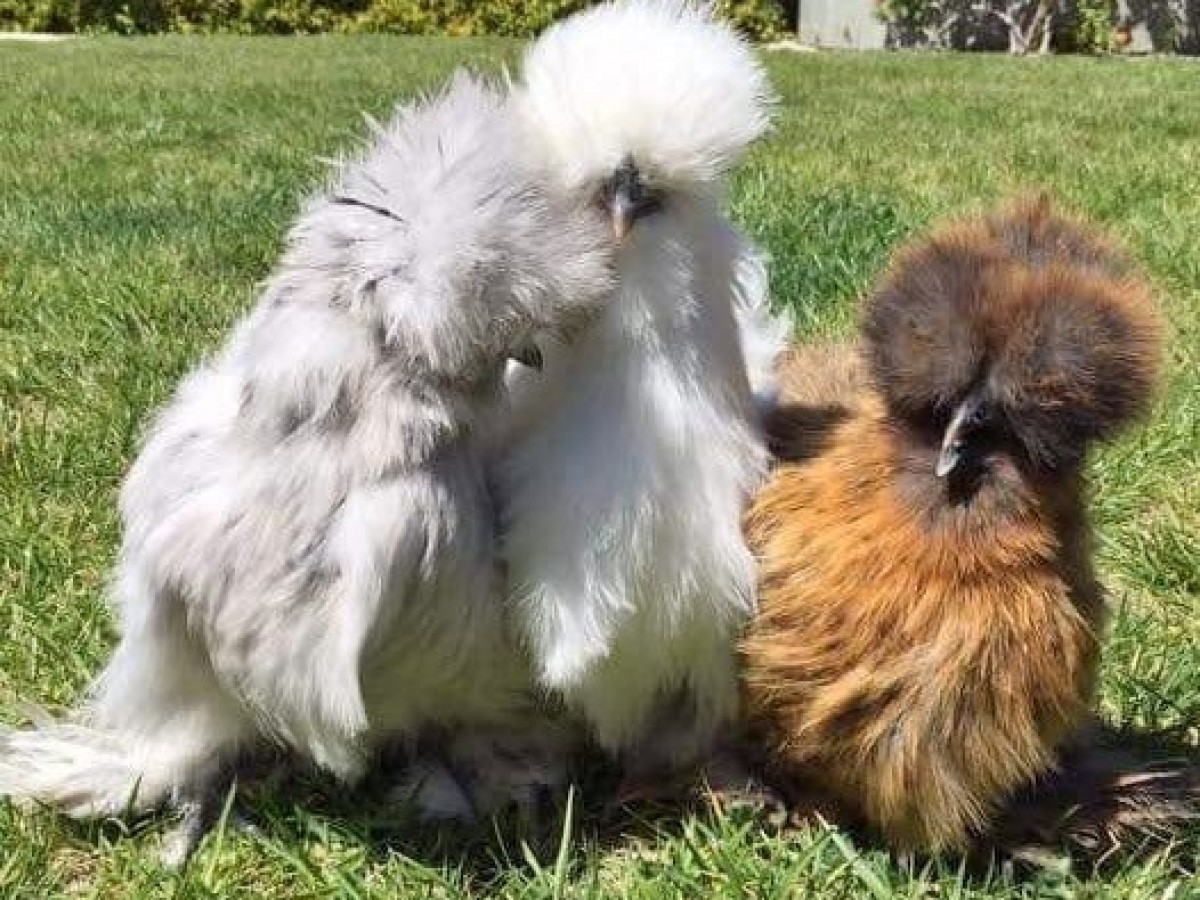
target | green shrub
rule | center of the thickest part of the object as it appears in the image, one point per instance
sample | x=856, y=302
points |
x=1079, y=26
x=1087, y=27
x=914, y=23
x=759, y=19
x=461, y=17
x=37, y=15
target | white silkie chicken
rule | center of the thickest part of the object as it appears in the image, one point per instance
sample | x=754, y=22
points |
x=308, y=554
x=632, y=454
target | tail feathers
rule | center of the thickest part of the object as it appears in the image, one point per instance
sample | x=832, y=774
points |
x=1106, y=802
x=83, y=772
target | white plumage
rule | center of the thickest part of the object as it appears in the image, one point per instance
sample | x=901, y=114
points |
x=631, y=456
x=764, y=333
x=308, y=544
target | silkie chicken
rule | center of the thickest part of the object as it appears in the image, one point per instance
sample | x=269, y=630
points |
x=308, y=557
x=928, y=635
x=632, y=455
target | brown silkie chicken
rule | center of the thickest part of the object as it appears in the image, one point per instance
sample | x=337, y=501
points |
x=928, y=634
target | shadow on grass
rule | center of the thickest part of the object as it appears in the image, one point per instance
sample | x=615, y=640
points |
x=305, y=809
x=1121, y=797
x=1120, y=794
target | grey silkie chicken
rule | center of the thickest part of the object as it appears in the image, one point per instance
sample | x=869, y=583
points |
x=307, y=558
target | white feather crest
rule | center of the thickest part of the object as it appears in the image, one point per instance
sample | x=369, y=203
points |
x=623, y=78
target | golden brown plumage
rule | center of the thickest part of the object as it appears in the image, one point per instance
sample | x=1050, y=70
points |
x=927, y=640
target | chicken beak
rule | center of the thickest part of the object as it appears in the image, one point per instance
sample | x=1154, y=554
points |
x=626, y=199
x=969, y=415
x=622, y=210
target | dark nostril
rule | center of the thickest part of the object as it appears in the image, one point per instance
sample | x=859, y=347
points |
x=980, y=413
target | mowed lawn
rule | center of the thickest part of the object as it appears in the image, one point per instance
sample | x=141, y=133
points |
x=144, y=189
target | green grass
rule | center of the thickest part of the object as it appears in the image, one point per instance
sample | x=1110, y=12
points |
x=144, y=188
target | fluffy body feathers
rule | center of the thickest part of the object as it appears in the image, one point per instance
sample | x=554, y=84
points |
x=632, y=455
x=308, y=547
x=927, y=644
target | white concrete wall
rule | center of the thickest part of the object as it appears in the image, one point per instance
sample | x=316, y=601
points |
x=840, y=23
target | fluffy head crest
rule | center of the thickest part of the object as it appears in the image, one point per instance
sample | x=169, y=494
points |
x=443, y=236
x=1031, y=319
x=658, y=80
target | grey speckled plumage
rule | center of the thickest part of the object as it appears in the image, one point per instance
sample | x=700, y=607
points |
x=308, y=543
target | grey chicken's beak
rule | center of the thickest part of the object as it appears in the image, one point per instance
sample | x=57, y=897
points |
x=969, y=416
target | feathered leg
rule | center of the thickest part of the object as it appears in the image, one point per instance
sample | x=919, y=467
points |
x=481, y=771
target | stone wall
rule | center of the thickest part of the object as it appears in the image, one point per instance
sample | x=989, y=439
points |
x=840, y=23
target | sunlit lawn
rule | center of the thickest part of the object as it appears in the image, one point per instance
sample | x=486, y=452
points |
x=144, y=188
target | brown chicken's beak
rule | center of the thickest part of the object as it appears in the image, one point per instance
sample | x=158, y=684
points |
x=969, y=415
